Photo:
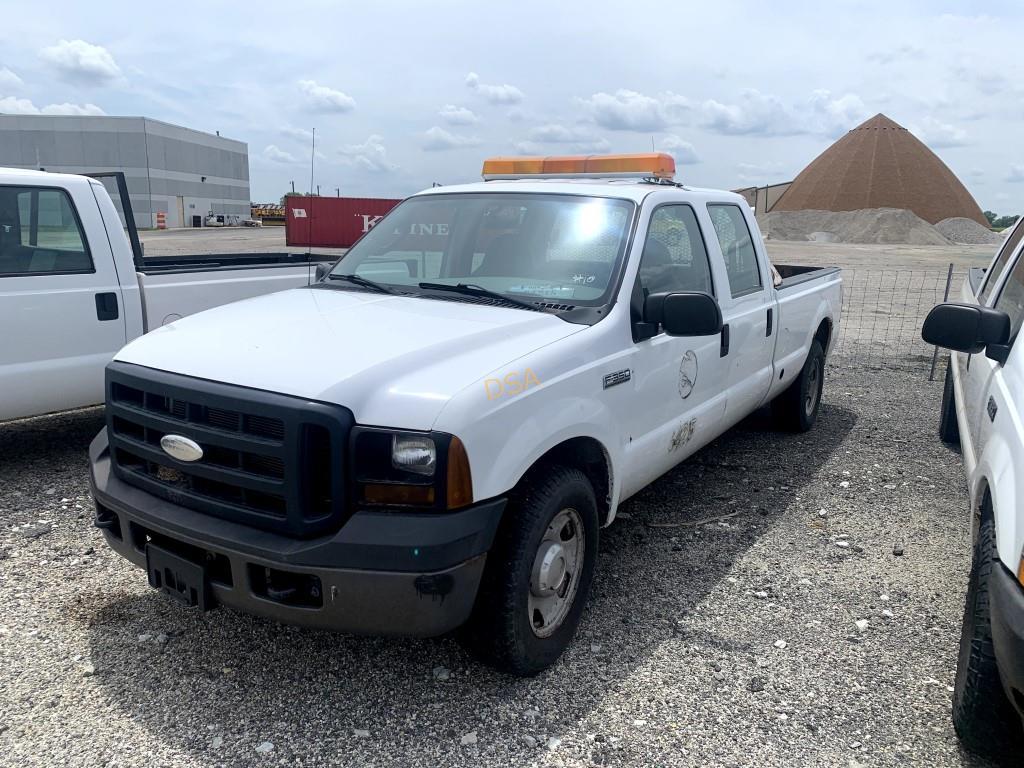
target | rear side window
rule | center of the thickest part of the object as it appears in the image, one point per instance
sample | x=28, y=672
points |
x=1005, y=253
x=1011, y=298
x=674, y=256
x=737, y=248
x=40, y=233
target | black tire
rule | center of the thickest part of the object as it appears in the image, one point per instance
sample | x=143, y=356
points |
x=949, y=430
x=796, y=409
x=983, y=717
x=500, y=631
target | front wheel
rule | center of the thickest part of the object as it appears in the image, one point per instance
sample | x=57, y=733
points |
x=538, y=574
x=796, y=409
x=983, y=717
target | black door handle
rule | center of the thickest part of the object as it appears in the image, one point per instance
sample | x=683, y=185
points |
x=725, y=341
x=106, y=306
x=768, y=332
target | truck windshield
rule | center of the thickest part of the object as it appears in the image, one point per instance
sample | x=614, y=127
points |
x=564, y=248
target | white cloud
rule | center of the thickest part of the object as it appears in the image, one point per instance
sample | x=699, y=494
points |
x=437, y=139
x=627, y=110
x=371, y=155
x=760, y=114
x=72, y=109
x=577, y=139
x=901, y=53
x=12, y=105
x=303, y=135
x=82, y=62
x=683, y=151
x=320, y=98
x=495, y=94
x=759, y=173
x=9, y=80
x=454, y=115
x=272, y=153
x=1015, y=175
x=938, y=135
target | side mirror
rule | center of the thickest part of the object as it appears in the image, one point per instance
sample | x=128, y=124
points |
x=968, y=328
x=321, y=271
x=684, y=314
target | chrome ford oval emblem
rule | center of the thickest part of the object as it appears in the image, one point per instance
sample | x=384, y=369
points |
x=181, y=448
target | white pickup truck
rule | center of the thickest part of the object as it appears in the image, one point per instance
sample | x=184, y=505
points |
x=74, y=287
x=433, y=435
x=983, y=411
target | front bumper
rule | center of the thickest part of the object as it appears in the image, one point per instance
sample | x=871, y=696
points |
x=1007, y=615
x=382, y=572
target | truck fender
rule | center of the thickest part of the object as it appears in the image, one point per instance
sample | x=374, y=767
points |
x=995, y=475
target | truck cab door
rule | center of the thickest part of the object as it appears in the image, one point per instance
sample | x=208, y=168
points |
x=977, y=372
x=678, y=401
x=61, y=306
x=748, y=306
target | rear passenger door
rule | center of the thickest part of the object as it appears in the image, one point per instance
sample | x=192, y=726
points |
x=60, y=301
x=748, y=339
x=677, y=379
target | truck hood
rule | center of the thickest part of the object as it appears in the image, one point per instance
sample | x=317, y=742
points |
x=393, y=360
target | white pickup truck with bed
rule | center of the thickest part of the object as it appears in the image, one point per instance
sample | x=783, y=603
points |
x=74, y=287
x=430, y=437
x=982, y=410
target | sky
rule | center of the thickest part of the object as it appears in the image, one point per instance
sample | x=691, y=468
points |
x=406, y=94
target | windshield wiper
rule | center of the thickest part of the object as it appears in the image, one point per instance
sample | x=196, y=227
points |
x=362, y=281
x=469, y=289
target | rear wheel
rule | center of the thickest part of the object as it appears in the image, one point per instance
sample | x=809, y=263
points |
x=983, y=717
x=949, y=430
x=538, y=574
x=796, y=409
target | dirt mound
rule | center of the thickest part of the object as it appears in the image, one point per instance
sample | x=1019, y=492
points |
x=870, y=225
x=967, y=231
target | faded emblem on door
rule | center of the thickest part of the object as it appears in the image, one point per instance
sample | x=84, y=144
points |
x=687, y=374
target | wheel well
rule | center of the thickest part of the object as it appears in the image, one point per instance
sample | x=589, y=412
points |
x=824, y=333
x=589, y=456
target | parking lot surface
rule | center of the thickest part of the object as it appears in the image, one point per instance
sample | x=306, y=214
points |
x=726, y=626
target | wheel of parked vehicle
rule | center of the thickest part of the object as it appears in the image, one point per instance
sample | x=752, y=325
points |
x=983, y=717
x=949, y=430
x=538, y=573
x=796, y=409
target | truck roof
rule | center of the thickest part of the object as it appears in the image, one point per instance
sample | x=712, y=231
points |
x=627, y=189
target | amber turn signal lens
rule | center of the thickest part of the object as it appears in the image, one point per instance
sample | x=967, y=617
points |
x=379, y=493
x=460, y=479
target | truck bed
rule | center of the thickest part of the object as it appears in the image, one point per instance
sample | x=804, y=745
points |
x=794, y=274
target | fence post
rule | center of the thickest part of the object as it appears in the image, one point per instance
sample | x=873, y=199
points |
x=945, y=298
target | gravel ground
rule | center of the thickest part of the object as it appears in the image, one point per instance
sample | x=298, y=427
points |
x=722, y=629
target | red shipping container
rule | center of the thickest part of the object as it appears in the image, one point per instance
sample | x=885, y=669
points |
x=331, y=222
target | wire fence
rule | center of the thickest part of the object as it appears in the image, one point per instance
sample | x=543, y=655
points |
x=883, y=310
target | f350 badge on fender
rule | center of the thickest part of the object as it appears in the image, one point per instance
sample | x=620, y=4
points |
x=687, y=374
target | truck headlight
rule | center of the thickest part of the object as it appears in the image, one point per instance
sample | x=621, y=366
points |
x=420, y=469
x=411, y=453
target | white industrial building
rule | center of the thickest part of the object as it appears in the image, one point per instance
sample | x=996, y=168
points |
x=183, y=173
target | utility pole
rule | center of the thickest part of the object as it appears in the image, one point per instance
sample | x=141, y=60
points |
x=318, y=190
x=338, y=190
x=293, y=187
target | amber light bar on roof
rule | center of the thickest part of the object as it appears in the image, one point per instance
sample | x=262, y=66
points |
x=655, y=165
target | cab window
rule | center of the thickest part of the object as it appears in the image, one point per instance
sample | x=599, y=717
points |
x=674, y=257
x=1011, y=298
x=1005, y=253
x=737, y=248
x=40, y=233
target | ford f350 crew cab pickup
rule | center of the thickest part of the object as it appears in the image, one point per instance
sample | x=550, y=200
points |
x=74, y=287
x=982, y=408
x=433, y=435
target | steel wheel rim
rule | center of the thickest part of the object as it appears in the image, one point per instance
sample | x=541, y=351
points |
x=813, y=388
x=555, y=574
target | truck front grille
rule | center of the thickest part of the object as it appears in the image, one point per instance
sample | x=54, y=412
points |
x=271, y=461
